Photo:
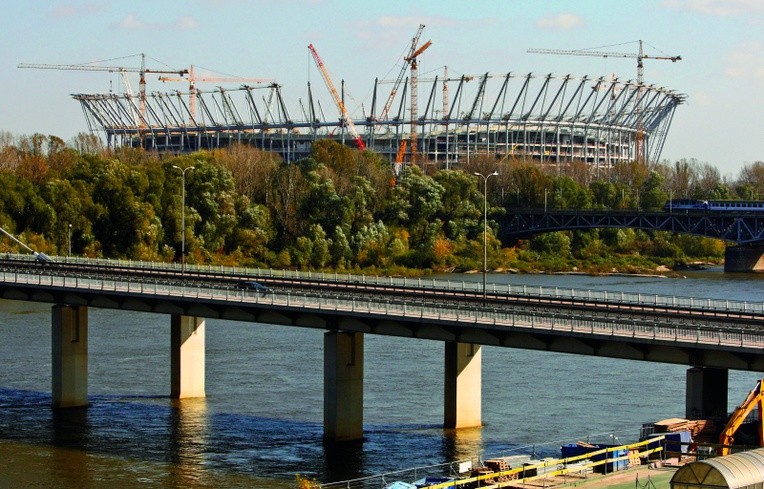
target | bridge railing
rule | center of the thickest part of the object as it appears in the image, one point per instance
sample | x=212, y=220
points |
x=533, y=291
x=682, y=330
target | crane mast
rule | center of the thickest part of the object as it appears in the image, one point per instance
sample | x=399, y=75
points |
x=337, y=99
x=414, y=102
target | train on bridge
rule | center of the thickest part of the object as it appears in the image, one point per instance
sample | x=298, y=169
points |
x=714, y=205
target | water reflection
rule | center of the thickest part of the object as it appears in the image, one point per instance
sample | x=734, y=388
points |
x=71, y=431
x=343, y=460
x=188, y=446
x=462, y=444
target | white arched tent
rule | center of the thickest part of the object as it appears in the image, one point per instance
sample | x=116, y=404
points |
x=743, y=470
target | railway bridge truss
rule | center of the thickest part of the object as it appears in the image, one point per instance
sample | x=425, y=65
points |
x=740, y=228
x=555, y=119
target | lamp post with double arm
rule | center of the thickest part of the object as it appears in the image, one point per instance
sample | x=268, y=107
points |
x=485, y=223
x=183, y=214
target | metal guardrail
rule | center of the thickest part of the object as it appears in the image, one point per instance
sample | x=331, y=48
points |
x=580, y=323
x=540, y=292
x=542, y=469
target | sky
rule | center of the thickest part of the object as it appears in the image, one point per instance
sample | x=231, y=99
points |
x=721, y=43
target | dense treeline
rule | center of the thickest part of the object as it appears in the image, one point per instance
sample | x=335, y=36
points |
x=338, y=208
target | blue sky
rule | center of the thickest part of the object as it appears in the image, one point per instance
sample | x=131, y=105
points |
x=721, y=43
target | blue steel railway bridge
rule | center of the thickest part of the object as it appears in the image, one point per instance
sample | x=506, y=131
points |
x=744, y=229
x=709, y=336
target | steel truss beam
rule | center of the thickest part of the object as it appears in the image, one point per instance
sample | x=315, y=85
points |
x=739, y=228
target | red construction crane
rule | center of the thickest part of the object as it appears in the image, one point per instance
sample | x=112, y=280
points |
x=337, y=99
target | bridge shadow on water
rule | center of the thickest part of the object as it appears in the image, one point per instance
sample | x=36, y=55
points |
x=190, y=435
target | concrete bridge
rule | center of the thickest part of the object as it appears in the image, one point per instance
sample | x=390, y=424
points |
x=709, y=336
x=745, y=229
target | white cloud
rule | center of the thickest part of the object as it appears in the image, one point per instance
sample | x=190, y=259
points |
x=746, y=61
x=186, y=22
x=65, y=11
x=719, y=8
x=563, y=21
x=132, y=23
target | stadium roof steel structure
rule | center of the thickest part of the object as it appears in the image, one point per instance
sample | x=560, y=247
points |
x=557, y=119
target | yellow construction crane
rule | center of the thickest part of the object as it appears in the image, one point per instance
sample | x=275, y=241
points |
x=192, y=80
x=337, y=99
x=640, y=56
x=113, y=69
x=754, y=400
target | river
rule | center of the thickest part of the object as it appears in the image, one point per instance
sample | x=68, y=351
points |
x=262, y=419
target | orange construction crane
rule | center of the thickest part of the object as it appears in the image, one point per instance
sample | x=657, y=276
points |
x=755, y=399
x=411, y=59
x=337, y=99
x=114, y=69
x=414, y=42
x=192, y=80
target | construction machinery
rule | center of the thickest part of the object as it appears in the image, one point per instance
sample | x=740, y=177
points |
x=346, y=119
x=739, y=415
x=639, y=55
x=192, y=80
x=113, y=69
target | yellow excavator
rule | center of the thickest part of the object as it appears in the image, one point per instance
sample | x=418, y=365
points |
x=755, y=398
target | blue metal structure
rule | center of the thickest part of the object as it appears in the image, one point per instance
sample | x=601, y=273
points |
x=736, y=227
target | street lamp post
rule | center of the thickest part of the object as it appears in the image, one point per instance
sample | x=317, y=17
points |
x=183, y=214
x=69, y=241
x=485, y=223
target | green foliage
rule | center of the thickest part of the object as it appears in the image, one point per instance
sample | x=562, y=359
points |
x=338, y=208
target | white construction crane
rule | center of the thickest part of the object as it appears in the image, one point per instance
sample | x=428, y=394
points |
x=113, y=69
x=192, y=80
x=640, y=56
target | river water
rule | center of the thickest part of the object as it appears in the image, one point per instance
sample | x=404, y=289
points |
x=261, y=422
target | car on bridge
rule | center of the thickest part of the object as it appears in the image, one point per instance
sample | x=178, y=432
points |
x=250, y=285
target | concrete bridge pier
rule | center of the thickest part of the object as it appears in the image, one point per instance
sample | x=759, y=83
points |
x=706, y=395
x=343, y=386
x=69, y=356
x=187, y=357
x=462, y=404
x=744, y=258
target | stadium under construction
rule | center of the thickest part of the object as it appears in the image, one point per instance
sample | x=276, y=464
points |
x=555, y=119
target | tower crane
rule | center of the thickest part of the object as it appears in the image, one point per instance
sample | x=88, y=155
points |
x=411, y=59
x=412, y=50
x=341, y=106
x=192, y=80
x=113, y=69
x=639, y=55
